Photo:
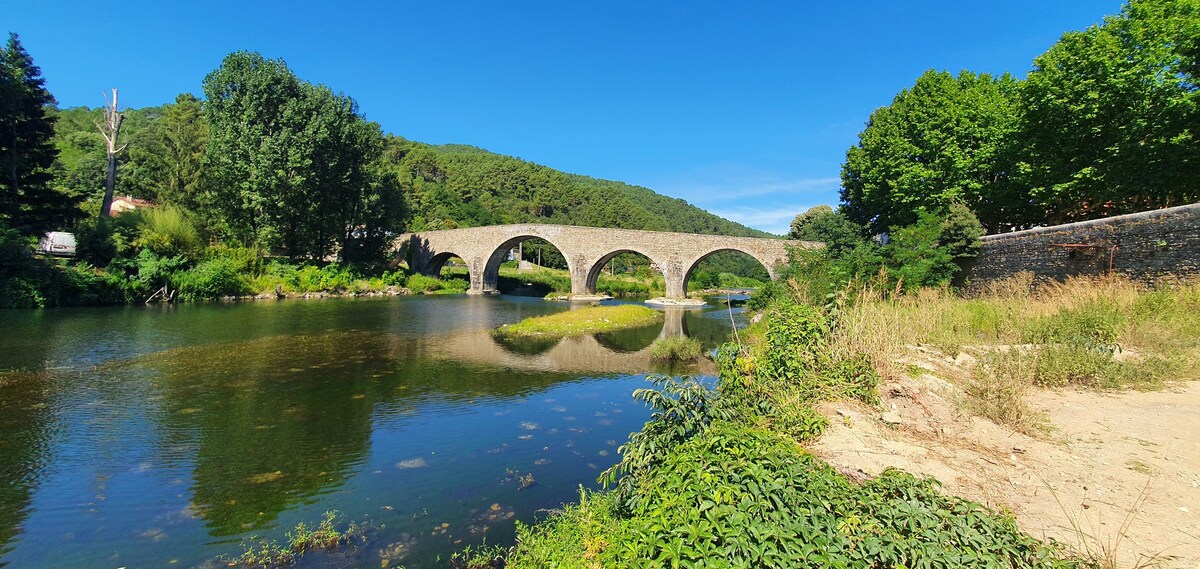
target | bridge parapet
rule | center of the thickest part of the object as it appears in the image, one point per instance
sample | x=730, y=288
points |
x=586, y=249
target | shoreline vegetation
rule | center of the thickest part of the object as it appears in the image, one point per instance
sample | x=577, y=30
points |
x=724, y=473
x=580, y=321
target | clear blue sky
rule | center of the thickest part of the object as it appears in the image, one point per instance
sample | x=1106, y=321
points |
x=743, y=108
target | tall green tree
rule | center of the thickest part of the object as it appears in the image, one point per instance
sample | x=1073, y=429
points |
x=171, y=149
x=833, y=228
x=290, y=162
x=1112, y=114
x=945, y=139
x=28, y=201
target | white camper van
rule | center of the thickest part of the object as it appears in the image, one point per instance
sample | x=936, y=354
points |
x=58, y=243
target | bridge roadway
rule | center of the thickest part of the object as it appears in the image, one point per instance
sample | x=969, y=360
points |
x=586, y=249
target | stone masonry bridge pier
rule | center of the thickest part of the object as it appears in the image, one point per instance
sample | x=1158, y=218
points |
x=586, y=249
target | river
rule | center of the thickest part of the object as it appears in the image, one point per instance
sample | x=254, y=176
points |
x=169, y=435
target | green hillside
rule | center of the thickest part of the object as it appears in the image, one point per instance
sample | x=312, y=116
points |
x=456, y=185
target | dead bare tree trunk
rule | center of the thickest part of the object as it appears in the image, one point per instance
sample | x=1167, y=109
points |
x=109, y=130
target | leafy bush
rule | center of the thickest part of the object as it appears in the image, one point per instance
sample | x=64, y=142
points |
x=168, y=232
x=422, y=284
x=154, y=271
x=738, y=496
x=211, y=279
x=683, y=408
x=95, y=241
x=768, y=294
x=794, y=362
x=396, y=278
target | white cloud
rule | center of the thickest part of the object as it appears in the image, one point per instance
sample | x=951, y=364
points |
x=775, y=220
x=717, y=185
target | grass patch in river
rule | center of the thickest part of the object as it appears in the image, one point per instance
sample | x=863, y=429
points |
x=676, y=349
x=262, y=554
x=590, y=320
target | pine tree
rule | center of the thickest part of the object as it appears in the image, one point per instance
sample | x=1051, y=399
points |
x=28, y=202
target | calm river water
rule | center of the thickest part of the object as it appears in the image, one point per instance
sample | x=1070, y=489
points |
x=167, y=436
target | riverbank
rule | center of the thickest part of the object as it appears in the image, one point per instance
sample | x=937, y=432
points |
x=844, y=389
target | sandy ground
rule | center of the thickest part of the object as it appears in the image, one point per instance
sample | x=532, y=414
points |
x=1113, y=473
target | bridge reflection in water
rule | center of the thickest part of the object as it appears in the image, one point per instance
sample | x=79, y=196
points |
x=625, y=352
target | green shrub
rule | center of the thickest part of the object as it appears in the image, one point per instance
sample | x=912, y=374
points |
x=422, y=284
x=395, y=278
x=246, y=260
x=95, y=241
x=167, y=231
x=19, y=292
x=619, y=287
x=155, y=271
x=682, y=408
x=735, y=496
x=768, y=294
x=211, y=279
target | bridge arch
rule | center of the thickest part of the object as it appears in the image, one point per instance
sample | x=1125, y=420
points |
x=491, y=269
x=593, y=274
x=586, y=250
x=691, y=267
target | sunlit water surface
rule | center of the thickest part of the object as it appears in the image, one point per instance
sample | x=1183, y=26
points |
x=171, y=435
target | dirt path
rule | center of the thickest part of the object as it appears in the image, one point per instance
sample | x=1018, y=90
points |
x=1115, y=473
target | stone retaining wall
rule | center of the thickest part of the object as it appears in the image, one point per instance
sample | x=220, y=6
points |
x=1146, y=246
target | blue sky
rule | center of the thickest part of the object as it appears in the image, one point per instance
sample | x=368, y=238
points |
x=743, y=108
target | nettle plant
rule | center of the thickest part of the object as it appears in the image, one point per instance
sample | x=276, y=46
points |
x=683, y=408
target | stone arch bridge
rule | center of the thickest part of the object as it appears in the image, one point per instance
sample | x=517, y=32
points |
x=586, y=249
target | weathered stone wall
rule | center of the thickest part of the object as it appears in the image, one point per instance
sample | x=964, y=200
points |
x=586, y=250
x=1146, y=246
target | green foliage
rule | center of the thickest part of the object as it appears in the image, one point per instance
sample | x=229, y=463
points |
x=769, y=293
x=683, y=408
x=676, y=349
x=834, y=229
x=95, y=241
x=422, y=284
x=1093, y=325
x=1103, y=125
x=211, y=279
x=29, y=203
x=167, y=231
x=1111, y=115
x=927, y=253
x=290, y=161
x=735, y=496
x=792, y=368
x=483, y=557
x=154, y=271
x=461, y=186
x=946, y=139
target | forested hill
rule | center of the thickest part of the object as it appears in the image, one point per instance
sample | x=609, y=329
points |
x=459, y=185
x=442, y=187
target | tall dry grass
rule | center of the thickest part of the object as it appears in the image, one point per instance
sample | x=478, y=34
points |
x=1104, y=332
